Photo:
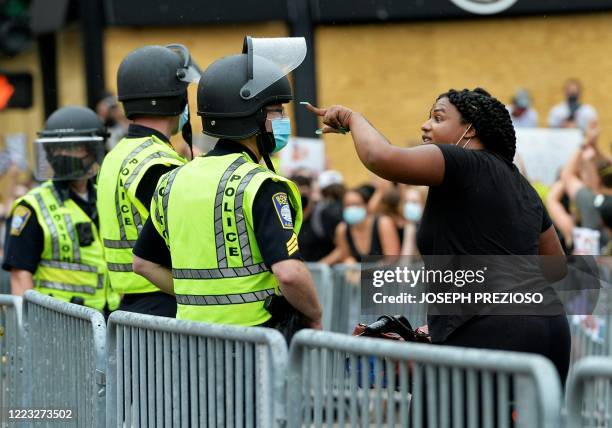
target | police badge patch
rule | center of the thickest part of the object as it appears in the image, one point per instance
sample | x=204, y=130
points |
x=281, y=204
x=21, y=215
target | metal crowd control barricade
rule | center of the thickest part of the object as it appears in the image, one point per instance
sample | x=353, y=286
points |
x=346, y=310
x=66, y=360
x=589, y=393
x=11, y=355
x=586, y=341
x=174, y=373
x=338, y=380
x=324, y=282
x=592, y=334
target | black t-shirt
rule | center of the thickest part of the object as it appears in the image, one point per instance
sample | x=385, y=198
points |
x=484, y=206
x=272, y=237
x=24, y=240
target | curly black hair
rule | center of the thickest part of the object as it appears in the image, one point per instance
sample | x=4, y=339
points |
x=488, y=117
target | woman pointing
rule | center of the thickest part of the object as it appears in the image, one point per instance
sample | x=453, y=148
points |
x=478, y=204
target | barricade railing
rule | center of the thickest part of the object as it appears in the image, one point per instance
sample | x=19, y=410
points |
x=592, y=334
x=322, y=276
x=589, y=393
x=338, y=380
x=588, y=336
x=345, y=310
x=11, y=355
x=64, y=361
x=168, y=372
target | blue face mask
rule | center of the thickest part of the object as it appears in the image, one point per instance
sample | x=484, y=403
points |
x=412, y=211
x=354, y=215
x=281, y=129
x=184, y=118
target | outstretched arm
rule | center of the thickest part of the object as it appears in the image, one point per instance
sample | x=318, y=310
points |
x=422, y=165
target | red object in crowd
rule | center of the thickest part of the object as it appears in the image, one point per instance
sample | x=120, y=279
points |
x=6, y=92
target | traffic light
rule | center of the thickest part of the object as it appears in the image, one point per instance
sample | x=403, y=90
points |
x=15, y=90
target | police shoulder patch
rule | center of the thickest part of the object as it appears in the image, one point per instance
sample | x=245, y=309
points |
x=21, y=215
x=281, y=205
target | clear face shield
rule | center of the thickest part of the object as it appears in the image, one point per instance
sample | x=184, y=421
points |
x=287, y=53
x=67, y=158
x=190, y=72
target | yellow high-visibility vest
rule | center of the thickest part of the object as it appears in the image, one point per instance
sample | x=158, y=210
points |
x=204, y=212
x=67, y=269
x=122, y=215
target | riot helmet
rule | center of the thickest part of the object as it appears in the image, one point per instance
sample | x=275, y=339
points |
x=152, y=80
x=234, y=90
x=71, y=145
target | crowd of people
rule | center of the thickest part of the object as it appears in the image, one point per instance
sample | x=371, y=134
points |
x=170, y=234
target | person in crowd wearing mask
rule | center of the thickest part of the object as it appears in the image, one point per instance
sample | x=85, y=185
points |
x=523, y=115
x=152, y=85
x=478, y=204
x=222, y=235
x=412, y=210
x=362, y=234
x=115, y=121
x=52, y=242
x=572, y=113
x=387, y=200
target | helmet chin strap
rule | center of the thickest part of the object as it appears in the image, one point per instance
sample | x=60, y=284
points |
x=188, y=137
x=261, y=138
x=187, y=133
x=262, y=149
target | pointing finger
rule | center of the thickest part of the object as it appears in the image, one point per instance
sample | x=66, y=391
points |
x=316, y=110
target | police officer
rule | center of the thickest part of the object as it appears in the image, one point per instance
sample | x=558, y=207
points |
x=152, y=85
x=230, y=224
x=52, y=242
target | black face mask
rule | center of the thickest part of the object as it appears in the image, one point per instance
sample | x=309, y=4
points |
x=573, y=104
x=69, y=166
x=305, y=199
x=572, y=99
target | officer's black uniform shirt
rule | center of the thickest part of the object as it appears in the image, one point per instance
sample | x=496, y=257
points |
x=272, y=238
x=146, y=187
x=23, y=245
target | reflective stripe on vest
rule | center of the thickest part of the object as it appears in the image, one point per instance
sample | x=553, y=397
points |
x=224, y=299
x=56, y=245
x=72, y=288
x=219, y=238
x=169, y=180
x=112, y=243
x=148, y=143
x=243, y=236
x=120, y=267
x=50, y=225
x=219, y=273
x=68, y=266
